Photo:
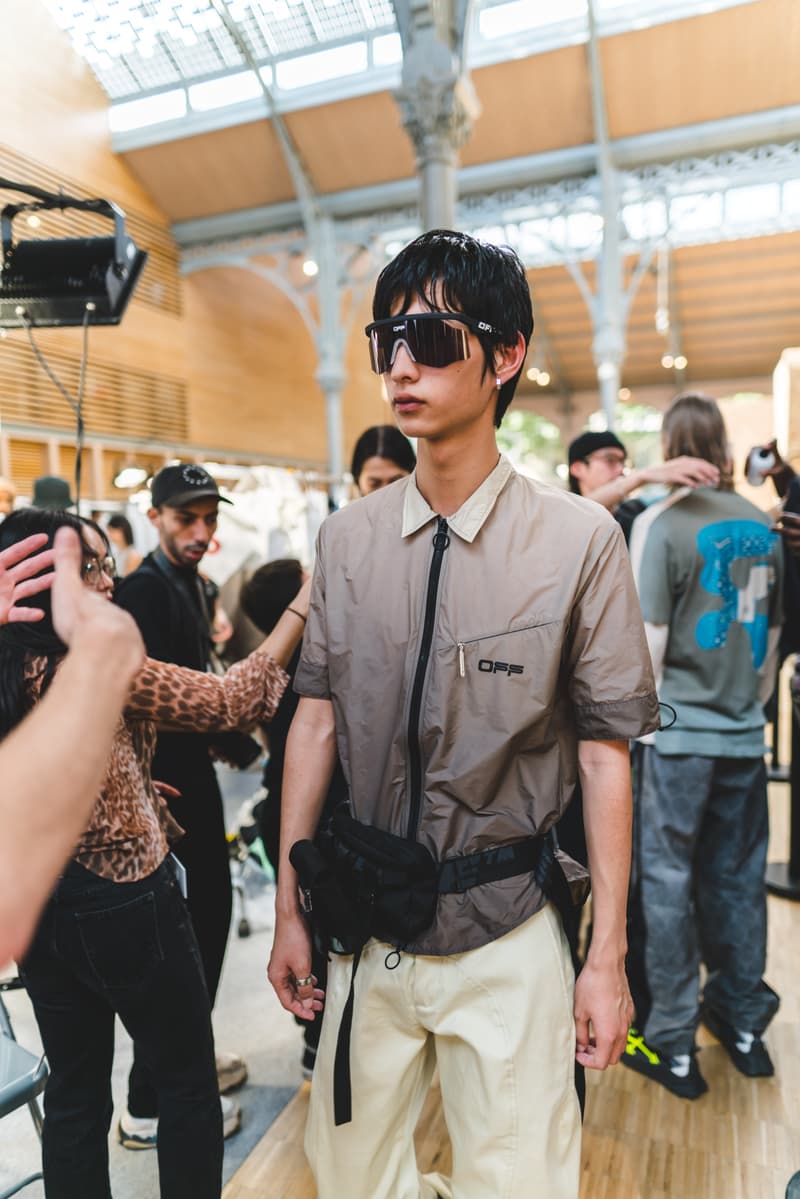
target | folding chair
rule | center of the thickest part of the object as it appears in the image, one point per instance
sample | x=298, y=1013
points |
x=22, y=1077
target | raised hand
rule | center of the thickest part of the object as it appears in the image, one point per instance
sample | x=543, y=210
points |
x=81, y=612
x=20, y=578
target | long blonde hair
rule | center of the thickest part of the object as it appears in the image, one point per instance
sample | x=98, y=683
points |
x=693, y=425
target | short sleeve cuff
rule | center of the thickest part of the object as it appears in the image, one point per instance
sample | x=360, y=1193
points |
x=618, y=720
x=312, y=681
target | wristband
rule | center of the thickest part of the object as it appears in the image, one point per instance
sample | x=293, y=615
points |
x=289, y=608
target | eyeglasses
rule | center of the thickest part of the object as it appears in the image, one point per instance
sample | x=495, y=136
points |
x=95, y=568
x=609, y=457
x=428, y=337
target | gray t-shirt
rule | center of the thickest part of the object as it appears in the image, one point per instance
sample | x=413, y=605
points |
x=707, y=565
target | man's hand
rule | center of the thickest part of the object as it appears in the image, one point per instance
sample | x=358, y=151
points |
x=682, y=472
x=291, y=960
x=788, y=525
x=18, y=564
x=603, y=1013
x=780, y=472
x=81, y=613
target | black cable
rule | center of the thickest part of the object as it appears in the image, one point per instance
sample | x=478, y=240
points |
x=77, y=407
x=669, y=708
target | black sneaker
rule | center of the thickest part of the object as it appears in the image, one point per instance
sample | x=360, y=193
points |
x=746, y=1050
x=681, y=1075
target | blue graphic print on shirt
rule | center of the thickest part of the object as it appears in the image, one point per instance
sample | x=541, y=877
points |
x=721, y=545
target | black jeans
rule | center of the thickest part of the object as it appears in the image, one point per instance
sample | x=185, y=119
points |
x=126, y=948
x=204, y=852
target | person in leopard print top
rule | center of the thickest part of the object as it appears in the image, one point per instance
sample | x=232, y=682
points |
x=115, y=937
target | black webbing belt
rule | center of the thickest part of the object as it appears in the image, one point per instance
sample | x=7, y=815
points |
x=534, y=855
x=490, y=865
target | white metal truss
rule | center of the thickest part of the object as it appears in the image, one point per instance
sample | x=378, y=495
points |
x=722, y=197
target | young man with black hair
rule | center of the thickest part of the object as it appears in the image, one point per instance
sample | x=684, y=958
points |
x=473, y=643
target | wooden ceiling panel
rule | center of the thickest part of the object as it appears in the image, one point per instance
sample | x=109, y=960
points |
x=240, y=167
x=738, y=60
x=552, y=92
x=353, y=143
x=727, y=295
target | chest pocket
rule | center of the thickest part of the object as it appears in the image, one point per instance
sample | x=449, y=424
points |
x=506, y=681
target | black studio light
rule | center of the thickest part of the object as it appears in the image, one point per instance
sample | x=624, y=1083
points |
x=56, y=282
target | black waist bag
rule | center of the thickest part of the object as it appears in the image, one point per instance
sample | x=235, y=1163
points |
x=362, y=882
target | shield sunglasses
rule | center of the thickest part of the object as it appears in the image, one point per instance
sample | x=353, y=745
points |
x=427, y=336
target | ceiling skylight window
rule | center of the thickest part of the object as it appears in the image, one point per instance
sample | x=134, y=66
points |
x=644, y=220
x=150, y=110
x=791, y=195
x=519, y=16
x=584, y=230
x=748, y=205
x=387, y=50
x=308, y=69
x=138, y=48
x=228, y=89
x=696, y=213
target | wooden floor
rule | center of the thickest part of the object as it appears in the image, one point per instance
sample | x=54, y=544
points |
x=740, y=1141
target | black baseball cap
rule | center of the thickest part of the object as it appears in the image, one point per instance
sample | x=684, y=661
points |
x=177, y=485
x=587, y=443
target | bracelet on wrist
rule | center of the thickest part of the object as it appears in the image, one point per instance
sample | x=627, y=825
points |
x=289, y=608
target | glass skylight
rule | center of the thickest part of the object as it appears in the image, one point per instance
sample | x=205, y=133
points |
x=141, y=47
x=325, y=64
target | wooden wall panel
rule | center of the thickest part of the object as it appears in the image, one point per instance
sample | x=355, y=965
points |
x=240, y=167
x=117, y=401
x=250, y=354
x=531, y=105
x=27, y=460
x=353, y=143
x=738, y=60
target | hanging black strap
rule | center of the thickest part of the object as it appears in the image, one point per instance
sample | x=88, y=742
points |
x=342, y=1094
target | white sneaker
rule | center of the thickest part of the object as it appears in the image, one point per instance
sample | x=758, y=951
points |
x=137, y=1132
x=231, y=1071
x=231, y=1116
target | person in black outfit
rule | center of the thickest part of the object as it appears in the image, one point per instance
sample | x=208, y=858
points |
x=264, y=598
x=168, y=599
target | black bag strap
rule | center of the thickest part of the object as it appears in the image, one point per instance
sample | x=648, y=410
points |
x=342, y=1092
x=490, y=865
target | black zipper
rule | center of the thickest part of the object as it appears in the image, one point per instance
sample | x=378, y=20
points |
x=441, y=541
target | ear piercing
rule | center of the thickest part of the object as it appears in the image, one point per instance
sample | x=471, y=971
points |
x=499, y=382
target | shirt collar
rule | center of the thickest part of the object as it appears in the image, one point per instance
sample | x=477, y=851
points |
x=470, y=518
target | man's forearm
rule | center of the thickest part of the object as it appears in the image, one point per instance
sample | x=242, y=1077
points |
x=611, y=495
x=604, y=768
x=52, y=767
x=309, y=766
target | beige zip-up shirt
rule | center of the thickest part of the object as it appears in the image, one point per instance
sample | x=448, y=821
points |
x=463, y=673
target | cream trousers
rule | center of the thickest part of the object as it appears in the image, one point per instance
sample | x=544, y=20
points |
x=498, y=1023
